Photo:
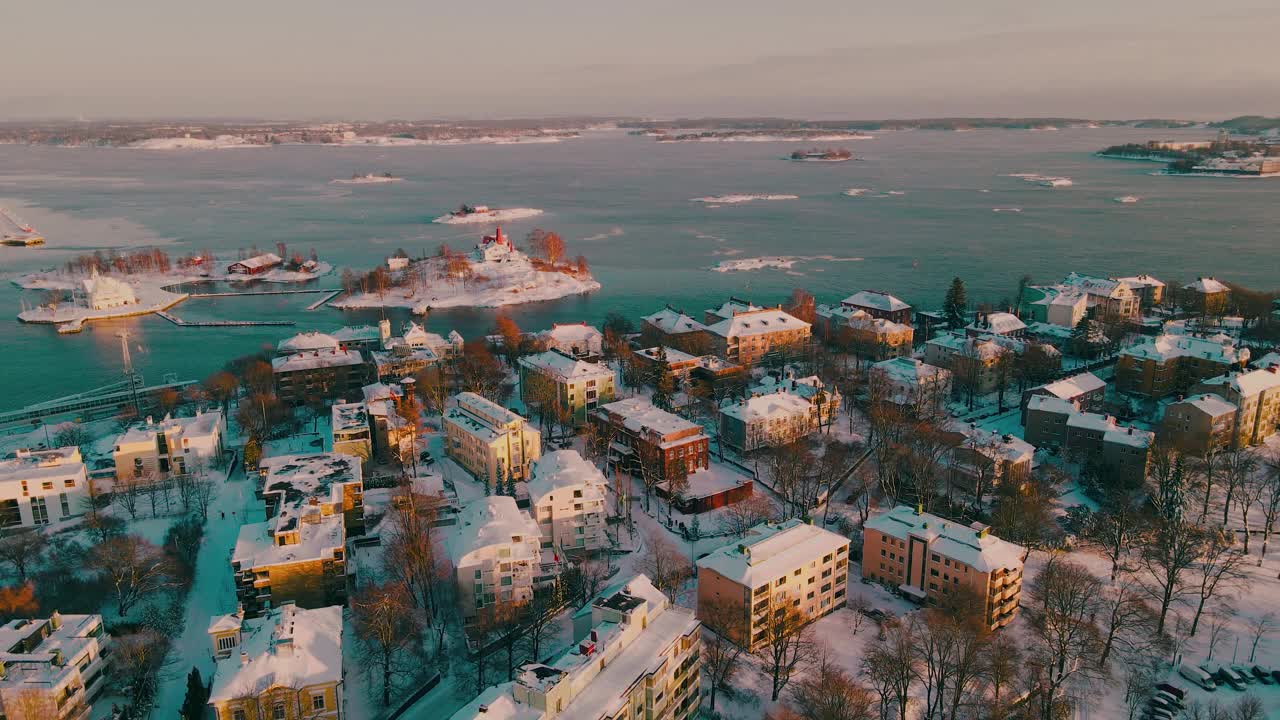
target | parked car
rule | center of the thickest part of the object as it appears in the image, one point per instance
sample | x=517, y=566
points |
x=1155, y=713
x=875, y=614
x=425, y=458
x=1263, y=674
x=1197, y=676
x=1172, y=700
x=1224, y=676
x=1173, y=690
x=1243, y=674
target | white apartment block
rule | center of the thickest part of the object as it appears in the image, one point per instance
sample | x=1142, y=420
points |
x=173, y=446
x=40, y=487
x=636, y=656
x=777, y=566
x=51, y=669
x=496, y=555
x=567, y=498
x=488, y=440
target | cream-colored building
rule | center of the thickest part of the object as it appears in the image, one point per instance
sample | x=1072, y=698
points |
x=1199, y=423
x=286, y=665
x=777, y=565
x=580, y=386
x=102, y=292
x=173, y=446
x=636, y=656
x=927, y=558
x=349, y=430
x=41, y=487
x=567, y=498
x=1256, y=395
x=865, y=335
x=490, y=441
x=53, y=668
x=495, y=548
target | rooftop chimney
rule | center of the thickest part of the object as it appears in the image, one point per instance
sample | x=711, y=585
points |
x=244, y=658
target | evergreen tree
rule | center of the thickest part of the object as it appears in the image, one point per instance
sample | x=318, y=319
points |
x=511, y=483
x=193, y=707
x=663, y=383
x=956, y=304
x=487, y=489
x=1082, y=336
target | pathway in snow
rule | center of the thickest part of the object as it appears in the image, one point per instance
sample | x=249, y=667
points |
x=213, y=592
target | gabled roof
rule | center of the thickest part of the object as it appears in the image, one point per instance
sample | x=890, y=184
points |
x=1075, y=386
x=563, y=469
x=1210, y=405
x=757, y=323
x=564, y=367
x=673, y=322
x=876, y=299
x=774, y=549
x=970, y=546
x=1206, y=286
x=290, y=647
x=490, y=521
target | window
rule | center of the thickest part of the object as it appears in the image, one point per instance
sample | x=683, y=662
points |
x=39, y=513
x=237, y=714
x=65, y=504
x=226, y=643
x=69, y=482
x=46, y=485
x=479, y=573
x=317, y=701
x=10, y=514
x=506, y=580
x=277, y=712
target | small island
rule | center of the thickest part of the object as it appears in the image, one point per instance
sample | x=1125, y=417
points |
x=1220, y=157
x=469, y=214
x=495, y=273
x=818, y=155
x=367, y=179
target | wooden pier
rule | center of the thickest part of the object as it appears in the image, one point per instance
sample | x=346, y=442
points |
x=220, y=323
x=317, y=304
x=298, y=291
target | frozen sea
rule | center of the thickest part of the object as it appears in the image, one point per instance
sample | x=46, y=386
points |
x=928, y=214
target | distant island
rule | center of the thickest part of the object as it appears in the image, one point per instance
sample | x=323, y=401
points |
x=1222, y=156
x=367, y=179
x=817, y=155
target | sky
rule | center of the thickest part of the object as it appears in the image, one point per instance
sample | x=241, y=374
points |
x=382, y=59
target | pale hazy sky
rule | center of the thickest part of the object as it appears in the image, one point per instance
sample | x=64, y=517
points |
x=483, y=58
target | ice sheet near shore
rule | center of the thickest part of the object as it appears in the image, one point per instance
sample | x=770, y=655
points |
x=504, y=283
x=63, y=280
x=220, y=142
x=781, y=262
x=492, y=216
x=739, y=199
x=376, y=180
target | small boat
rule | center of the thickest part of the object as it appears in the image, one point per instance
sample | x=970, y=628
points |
x=1127, y=199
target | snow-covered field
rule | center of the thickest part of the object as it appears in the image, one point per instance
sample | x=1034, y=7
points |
x=489, y=216
x=740, y=198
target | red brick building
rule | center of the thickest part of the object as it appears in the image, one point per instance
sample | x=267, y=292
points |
x=640, y=431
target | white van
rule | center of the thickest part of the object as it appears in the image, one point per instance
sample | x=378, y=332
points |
x=1197, y=676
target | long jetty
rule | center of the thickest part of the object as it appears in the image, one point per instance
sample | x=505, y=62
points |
x=316, y=305
x=300, y=291
x=219, y=323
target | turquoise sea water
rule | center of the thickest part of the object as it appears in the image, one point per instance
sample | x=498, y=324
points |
x=624, y=202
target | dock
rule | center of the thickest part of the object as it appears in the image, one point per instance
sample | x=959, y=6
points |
x=297, y=291
x=316, y=305
x=220, y=323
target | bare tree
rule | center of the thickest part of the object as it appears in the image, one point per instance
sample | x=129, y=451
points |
x=1259, y=627
x=1238, y=465
x=22, y=548
x=1003, y=662
x=133, y=567
x=1063, y=602
x=787, y=646
x=722, y=640
x=126, y=492
x=1270, y=503
x=830, y=693
x=739, y=517
x=1169, y=549
x=410, y=547
x=135, y=667
x=202, y=493
x=1220, y=617
x=1116, y=528
x=388, y=632
x=666, y=566
x=892, y=667
x=1220, y=568
x=1128, y=622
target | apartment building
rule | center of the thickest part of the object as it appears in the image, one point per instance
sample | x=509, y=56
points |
x=981, y=458
x=640, y=431
x=286, y=664
x=1086, y=390
x=767, y=420
x=488, y=440
x=673, y=328
x=635, y=655
x=867, y=336
x=880, y=305
x=974, y=359
x=653, y=360
x=776, y=566
x=1199, y=423
x=52, y=668
x=1053, y=422
x=349, y=430
x=911, y=384
x=1149, y=290
x=1166, y=364
x=567, y=499
x=173, y=446
x=315, y=375
x=578, y=340
x=1206, y=296
x=41, y=487
x=749, y=336
x=1256, y=395
x=927, y=557
x=495, y=548
x=313, y=503
x=1106, y=298
x=580, y=386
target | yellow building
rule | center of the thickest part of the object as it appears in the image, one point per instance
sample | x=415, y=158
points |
x=580, y=386
x=284, y=666
x=790, y=564
x=1256, y=395
x=488, y=440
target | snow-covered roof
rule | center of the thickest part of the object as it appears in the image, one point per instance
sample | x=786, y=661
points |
x=1211, y=405
x=998, y=323
x=1249, y=384
x=356, y=333
x=877, y=300
x=382, y=391
x=776, y=550
x=497, y=703
x=34, y=465
x=1009, y=448
x=313, y=359
x=565, y=367
x=1075, y=386
x=732, y=306
x=563, y=469
x=757, y=323
x=1206, y=286
x=673, y=355
x=259, y=261
x=1104, y=287
x=1111, y=432
x=203, y=425
x=349, y=416
x=640, y=415
x=290, y=647
x=1166, y=347
x=1266, y=361
x=770, y=406
x=308, y=341
x=493, y=520
x=982, y=348
x=969, y=546
x=1051, y=403
x=806, y=387
x=673, y=322
x=1140, y=281
x=572, y=333
x=296, y=479
x=909, y=371
x=29, y=649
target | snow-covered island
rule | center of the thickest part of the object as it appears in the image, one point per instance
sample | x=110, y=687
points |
x=494, y=274
x=738, y=199
x=1051, y=181
x=367, y=179
x=819, y=155
x=470, y=214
